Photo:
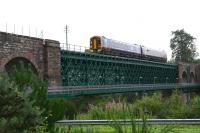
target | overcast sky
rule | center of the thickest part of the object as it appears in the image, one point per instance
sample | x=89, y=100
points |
x=144, y=22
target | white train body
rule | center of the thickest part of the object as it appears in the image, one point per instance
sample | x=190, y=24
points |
x=117, y=45
x=101, y=44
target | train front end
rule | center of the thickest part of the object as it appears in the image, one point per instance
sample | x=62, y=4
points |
x=96, y=44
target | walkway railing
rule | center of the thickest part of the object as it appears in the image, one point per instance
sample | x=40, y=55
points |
x=72, y=91
x=129, y=122
x=75, y=48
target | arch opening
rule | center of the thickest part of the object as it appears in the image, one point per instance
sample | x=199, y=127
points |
x=19, y=63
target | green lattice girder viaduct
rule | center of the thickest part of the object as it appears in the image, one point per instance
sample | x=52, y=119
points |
x=89, y=74
x=86, y=69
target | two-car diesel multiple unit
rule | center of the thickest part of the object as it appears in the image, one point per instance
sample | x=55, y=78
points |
x=103, y=45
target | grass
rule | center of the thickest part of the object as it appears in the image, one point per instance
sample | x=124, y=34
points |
x=153, y=106
x=109, y=129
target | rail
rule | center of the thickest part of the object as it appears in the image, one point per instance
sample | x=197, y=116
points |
x=129, y=122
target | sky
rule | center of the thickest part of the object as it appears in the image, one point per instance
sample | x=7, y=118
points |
x=143, y=22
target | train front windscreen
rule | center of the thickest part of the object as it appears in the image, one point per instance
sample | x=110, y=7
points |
x=95, y=43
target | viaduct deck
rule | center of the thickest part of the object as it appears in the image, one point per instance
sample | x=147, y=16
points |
x=73, y=91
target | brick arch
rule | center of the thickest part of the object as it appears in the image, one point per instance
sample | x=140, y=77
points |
x=43, y=54
x=17, y=62
x=27, y=56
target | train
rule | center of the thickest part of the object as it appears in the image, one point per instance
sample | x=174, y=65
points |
x=103, y=45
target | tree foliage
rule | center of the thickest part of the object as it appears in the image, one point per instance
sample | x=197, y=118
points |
x=183, y=46
x=17, y=112
x=23, y=101
x=24, y=105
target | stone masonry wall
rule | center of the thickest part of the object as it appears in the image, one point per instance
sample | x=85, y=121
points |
x=192, y=71
x=52, y=62
x=35, y=50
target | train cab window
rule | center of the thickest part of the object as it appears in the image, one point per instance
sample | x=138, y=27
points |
x=91, y=44
x=96, y=42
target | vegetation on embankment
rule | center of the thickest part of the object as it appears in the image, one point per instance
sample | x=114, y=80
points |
x=128, y=129
x=26, y=108
x=155, y=105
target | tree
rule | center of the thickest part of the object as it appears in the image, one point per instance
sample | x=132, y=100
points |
x=183, y=46
x=24, y=105
x=17, y=112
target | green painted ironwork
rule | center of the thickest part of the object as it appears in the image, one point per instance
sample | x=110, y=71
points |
x=87, y=69
x=73, y=91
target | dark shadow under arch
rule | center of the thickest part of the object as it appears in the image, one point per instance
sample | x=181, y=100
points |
x=17, y=63
x=184, y=77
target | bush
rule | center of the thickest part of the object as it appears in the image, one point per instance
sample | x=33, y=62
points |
x=96, y=112
x=175, y=107
x=150, y=104
x=195, y=107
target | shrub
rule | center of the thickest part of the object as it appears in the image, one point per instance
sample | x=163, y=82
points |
x=194, y=105
x=96, y=112
x=175, y=107
x=150, y=104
